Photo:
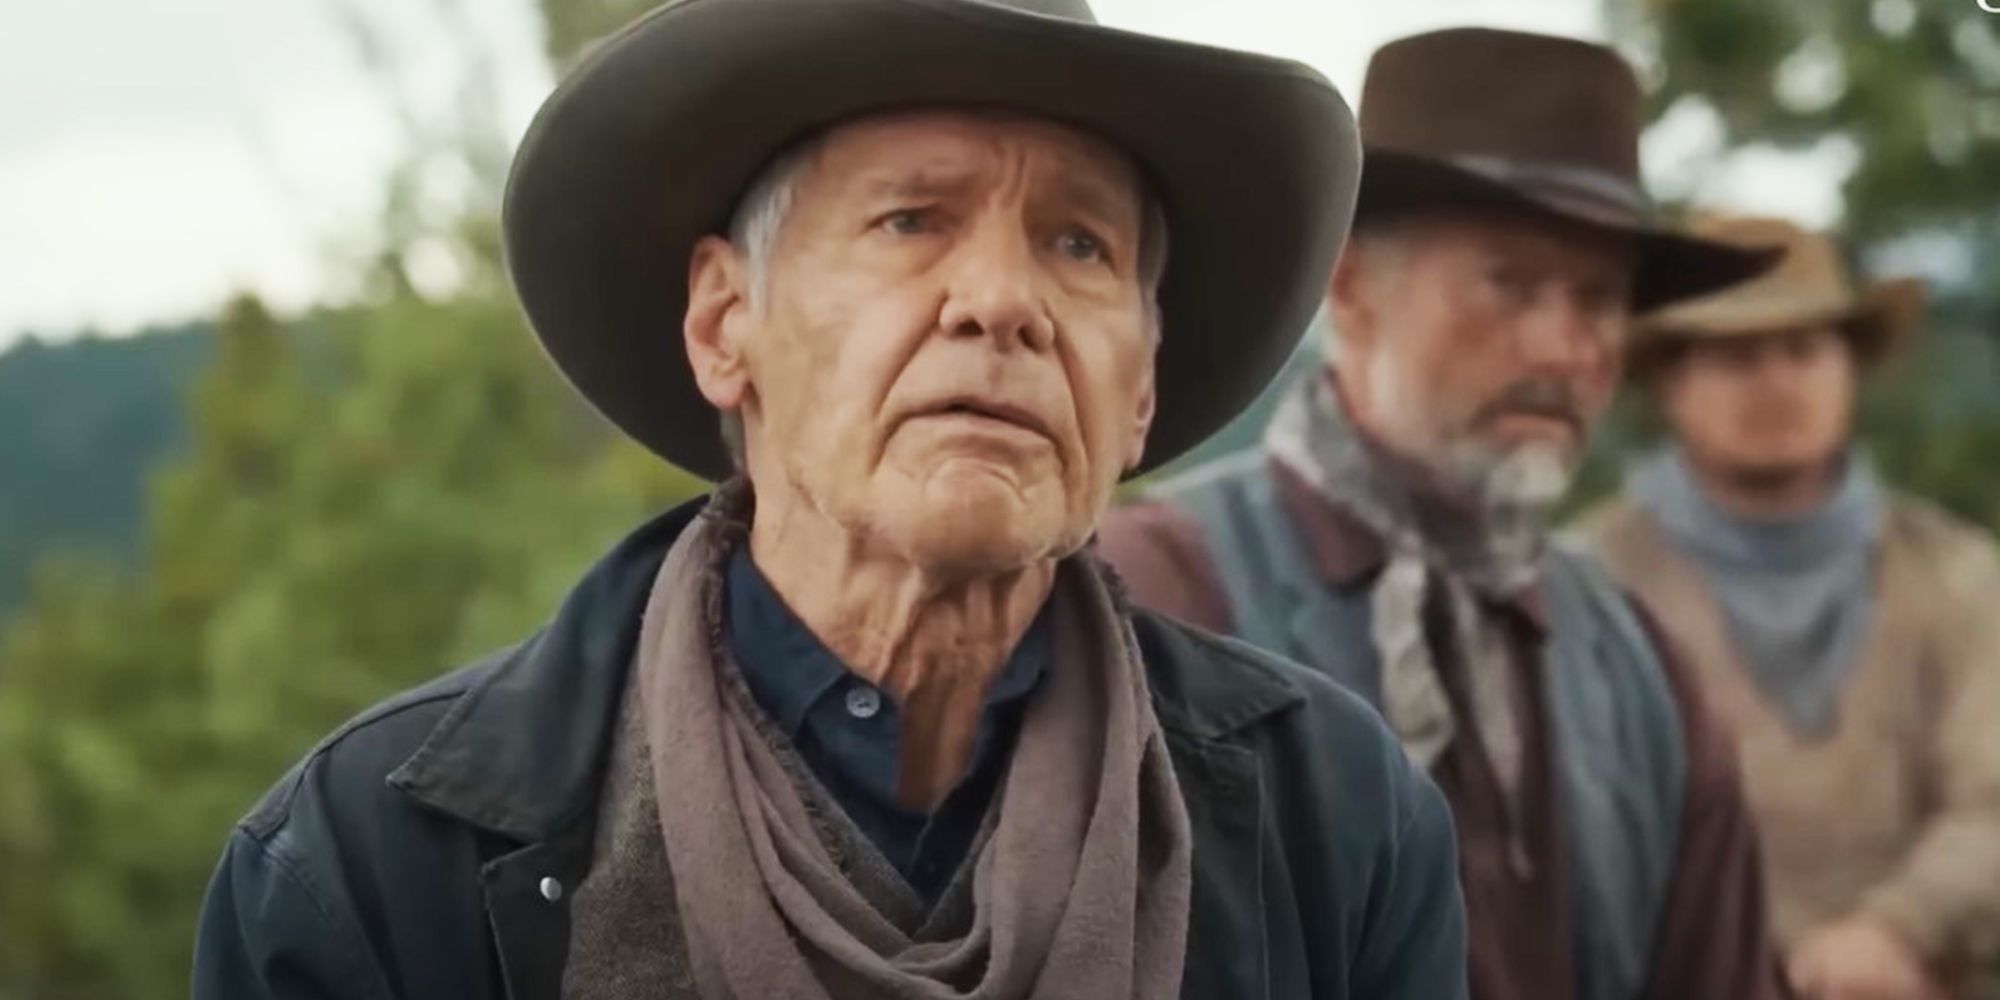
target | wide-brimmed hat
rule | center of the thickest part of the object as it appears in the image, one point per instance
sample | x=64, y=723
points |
x=650, y=141
x=1811, y=285
x=1478, y=116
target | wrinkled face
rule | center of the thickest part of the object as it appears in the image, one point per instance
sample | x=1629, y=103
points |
x=952, y=354
x=1771, y=405
x=1483, y=346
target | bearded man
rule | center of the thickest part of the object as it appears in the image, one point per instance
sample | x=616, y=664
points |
x=1390, y=529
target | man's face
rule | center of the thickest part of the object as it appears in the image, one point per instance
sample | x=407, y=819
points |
x=1769, y=406
x=952, y=357
x=1484, y=346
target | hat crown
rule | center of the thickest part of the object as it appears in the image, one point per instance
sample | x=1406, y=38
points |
x=1482, y=93
x=1810, y=285
x=1810, y=274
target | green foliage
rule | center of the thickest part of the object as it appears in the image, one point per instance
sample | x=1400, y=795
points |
x=1933, y=425
x=325, y=542
x=366, y=496
x=571, y=25
x=81, y=425
x=361, y=497
x=1915, y=84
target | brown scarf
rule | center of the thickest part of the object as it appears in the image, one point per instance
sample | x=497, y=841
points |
x=1081, y=890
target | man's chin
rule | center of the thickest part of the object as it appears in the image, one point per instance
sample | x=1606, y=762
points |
x=974, y=528
x=1532, y=477
x=1773, y=476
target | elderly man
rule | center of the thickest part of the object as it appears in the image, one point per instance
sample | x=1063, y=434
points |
x=1851, y=634
x=871, y=722
x=1389, y=530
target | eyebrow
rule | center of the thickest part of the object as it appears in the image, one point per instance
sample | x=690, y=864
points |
x=1100, y=198
x=1089, y=193
x=920, y=182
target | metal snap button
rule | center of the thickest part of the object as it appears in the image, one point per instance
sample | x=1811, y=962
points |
x=552, y=890
x=863, y=702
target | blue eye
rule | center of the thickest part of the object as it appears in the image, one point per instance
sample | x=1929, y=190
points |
x=1081, y=246
x=907, y=221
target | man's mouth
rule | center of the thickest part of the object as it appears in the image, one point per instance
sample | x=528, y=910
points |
x=1538, y=414
x=990, y=409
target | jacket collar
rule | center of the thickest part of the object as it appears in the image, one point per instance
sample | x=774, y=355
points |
x=1209, y=687
x=522, y=751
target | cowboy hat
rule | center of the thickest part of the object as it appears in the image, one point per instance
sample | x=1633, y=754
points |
x=649, y=142
x=1810, y=286
x=1483, y=117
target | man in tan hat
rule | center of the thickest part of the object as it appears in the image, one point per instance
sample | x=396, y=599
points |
x=1389, y=532
x=920, y=281
x=1851, y=634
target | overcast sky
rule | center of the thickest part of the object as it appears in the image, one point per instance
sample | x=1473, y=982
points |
x=156, y=156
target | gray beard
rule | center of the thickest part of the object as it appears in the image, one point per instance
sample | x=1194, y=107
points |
x=1525, y=481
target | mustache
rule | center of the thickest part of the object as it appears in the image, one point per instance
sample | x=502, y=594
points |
x=1538, y=397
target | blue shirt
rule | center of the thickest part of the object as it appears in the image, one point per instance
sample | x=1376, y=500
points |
x=850, y=734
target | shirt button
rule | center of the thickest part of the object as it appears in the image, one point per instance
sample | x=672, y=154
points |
x=863, y=702
x=552, y=890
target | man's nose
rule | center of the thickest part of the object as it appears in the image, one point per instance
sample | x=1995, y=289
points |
x=995, y=289
x=1562, y=334
x=1773, y=369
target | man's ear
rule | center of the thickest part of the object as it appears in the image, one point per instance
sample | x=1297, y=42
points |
x=1347, y=304
x=1142, y=422
x=718, y=316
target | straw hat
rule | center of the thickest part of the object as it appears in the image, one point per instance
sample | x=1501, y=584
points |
x=1810, y=285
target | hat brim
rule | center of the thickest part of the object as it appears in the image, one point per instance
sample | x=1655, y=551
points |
x=648, y=144
x=1881, y=322
x=1671, y=266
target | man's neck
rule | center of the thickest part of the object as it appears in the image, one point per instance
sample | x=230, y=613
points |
x=1769, y=494
x=932, y=642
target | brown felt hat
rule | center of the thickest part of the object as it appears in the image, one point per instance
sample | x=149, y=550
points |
x=650, y=141
x=1810, y=285
x=1483, y=117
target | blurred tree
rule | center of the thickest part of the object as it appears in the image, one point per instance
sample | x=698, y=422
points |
x=82, y=422
x=370, y=494
x=571, y=25
x=109, y=775
x=1914, y=85
x=1912, y=88
x=323, y=544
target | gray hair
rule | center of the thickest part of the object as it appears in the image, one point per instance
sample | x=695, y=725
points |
x=1385, y=244
x=760, y=218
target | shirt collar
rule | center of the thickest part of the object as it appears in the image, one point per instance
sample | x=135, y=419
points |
x=789, y=669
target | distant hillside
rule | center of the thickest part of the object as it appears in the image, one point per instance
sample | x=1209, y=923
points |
x=82, y=424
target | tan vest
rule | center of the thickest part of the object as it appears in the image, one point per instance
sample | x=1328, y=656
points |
x=1843, y=817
